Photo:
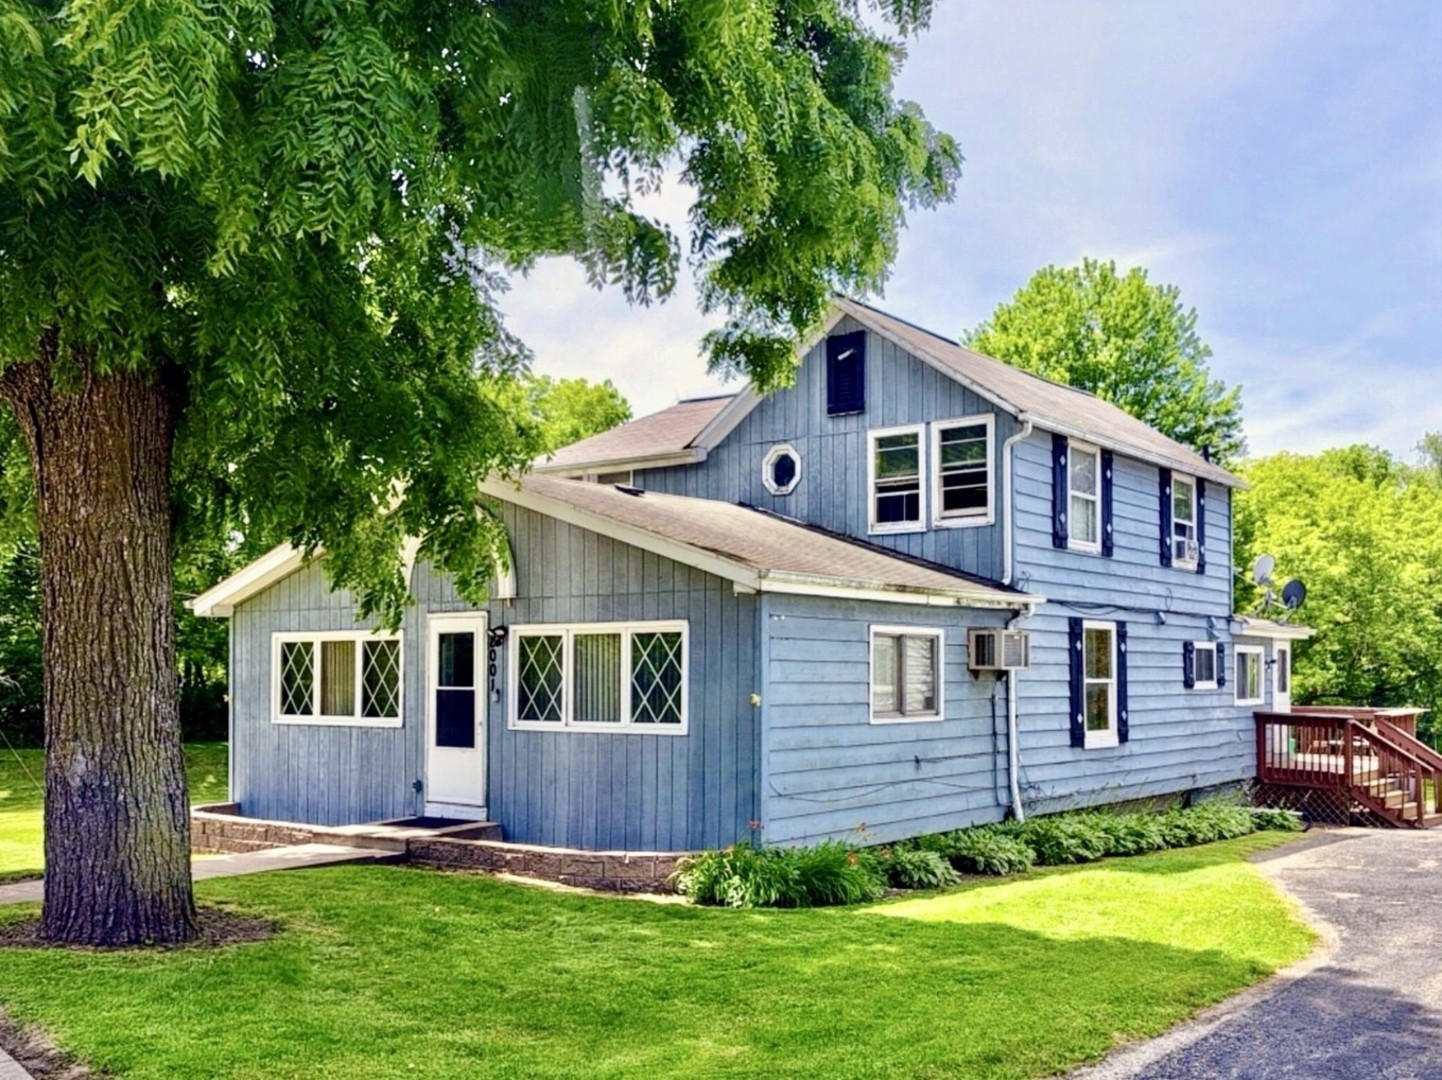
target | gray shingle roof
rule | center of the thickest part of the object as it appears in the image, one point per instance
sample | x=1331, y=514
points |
x=670, y=431
x=1052, y=405
x=777, y=549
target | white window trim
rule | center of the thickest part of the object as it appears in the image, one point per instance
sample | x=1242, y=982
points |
x=1091, y=547
x=919, y=525
x=315, y=638
x=1190, y=481
x=568, y=631
x=1260, y=653
x=936, y=632
x=970, y=520
x=1198, y=647
x=1100, y=740
x=1281, y=670
x=770, y=459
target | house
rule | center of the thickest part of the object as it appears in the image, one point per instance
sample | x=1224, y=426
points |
x=920, y=589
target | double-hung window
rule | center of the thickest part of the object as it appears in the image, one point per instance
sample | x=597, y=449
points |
x=1099, y=683
x=906, y=673
x=337, y=678
x=1249, y=675
x=898, y=496
x=1084, y=487
x=624, y=677
x=1185, y=551
x=1204, y=657
x=961, y=457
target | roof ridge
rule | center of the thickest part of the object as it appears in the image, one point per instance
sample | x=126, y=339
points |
x=878, y=549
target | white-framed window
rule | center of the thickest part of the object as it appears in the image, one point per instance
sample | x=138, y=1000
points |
x=1084, y=497
x=906, y=673
x=1282, y=671
x=1099, y=683
x=895, y=467
x=1250, y=662
x=620, y=677
x=623, y=477
x=1204, y=660
x=336, y=677
x=781, y=469
x=961, y=464
x=1185, y=552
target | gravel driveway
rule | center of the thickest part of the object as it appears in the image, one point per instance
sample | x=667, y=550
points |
x=1368, y=1005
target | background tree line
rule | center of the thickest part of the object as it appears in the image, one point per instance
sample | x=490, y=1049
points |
x=555, y=412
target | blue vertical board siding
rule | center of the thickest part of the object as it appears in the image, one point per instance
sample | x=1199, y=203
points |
x=324, y=775
x=828, y=772
x=562, y=788
x=832, y=491
x=1180, y=739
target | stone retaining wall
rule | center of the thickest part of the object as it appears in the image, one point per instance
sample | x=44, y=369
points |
x=222, y=828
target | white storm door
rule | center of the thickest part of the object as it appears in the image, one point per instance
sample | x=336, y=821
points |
x=1282, y=676
x=456, y=714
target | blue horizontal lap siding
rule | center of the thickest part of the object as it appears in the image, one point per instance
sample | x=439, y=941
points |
x=832, y=492
x=563, y=788
x=318, y=774
x=1180, y=739
x=829, y=772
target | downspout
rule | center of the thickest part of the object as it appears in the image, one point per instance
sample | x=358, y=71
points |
x=1013, y=765
x=1008, y=558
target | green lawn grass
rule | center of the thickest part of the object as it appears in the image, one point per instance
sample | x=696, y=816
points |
x=396, y=972
x=22, y=776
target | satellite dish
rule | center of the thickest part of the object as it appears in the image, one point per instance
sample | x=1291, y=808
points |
x=1262, y=569
x=1293, y=593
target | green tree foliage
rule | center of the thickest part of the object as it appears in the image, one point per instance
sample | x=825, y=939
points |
x=569, y=410
x=1364, y=531
x=1124, y=339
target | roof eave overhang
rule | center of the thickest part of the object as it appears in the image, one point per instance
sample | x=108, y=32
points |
x=818, y=585
x=690, y=456
x=220, y=600
x=1265, y=628
x=1208, y=471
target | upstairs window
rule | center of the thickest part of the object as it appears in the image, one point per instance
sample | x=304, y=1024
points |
x=905, y=674
x=1084, y=488
x=337, y=678
x=846, y=374
x=781, y=470
x=897, y=493
x=961, y=453
x=1185, y=550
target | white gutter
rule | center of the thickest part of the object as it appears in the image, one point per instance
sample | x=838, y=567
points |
x=1008, y=557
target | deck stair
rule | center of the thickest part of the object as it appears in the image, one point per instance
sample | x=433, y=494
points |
x=1350, y=765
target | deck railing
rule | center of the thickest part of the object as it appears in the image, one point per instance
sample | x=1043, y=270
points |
x=1377, y=764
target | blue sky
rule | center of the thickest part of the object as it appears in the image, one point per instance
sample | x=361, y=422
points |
x=1280, y=162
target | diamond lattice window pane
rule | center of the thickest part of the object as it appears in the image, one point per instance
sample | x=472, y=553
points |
x=657, y=678
x=539, y=685
x=381, y=679
x=297, y=677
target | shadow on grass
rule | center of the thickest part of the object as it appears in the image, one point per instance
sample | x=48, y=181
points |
x=383, y=970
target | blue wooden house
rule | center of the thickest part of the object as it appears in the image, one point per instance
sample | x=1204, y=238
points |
x=919, y=589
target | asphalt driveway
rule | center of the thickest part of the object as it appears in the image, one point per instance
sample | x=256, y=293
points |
x=1367, y=1005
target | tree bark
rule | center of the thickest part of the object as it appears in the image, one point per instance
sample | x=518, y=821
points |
x=117, y=862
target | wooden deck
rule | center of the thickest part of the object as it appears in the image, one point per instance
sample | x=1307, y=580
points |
x=1367, y=763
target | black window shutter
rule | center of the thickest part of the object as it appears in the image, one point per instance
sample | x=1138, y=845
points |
x=846, y=373
x=1221, y=664
x=1078, y=719
x=1058, y=490
x=1164, y=488
x=1107, y=503
x=1189, y=665
x=1201, y=526
x=1123, y=727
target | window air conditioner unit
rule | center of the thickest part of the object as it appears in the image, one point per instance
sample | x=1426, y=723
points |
x=998, y=650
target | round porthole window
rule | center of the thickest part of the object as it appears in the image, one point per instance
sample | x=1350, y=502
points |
x=781, y=471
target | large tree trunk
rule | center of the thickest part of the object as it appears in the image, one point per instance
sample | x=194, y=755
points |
x=117, y=864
